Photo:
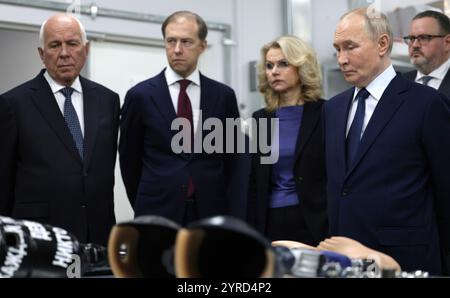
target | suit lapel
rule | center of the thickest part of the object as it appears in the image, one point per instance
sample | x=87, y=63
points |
x=208, y=99
x=342, y=112
x=91, y=104
x=46, y=103
x=411, y=75
x=445, y=85
x=311, y=115
x=162, y=99
x=385, y=110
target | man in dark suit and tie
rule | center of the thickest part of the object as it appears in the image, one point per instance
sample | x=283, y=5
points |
x=387, y=150
x=181, y=186
x=59, y=140
x=429, y=49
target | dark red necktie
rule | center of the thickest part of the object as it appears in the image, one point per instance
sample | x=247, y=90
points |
x=185, y=110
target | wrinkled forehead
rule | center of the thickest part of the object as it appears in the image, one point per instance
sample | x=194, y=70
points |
x=274, y=54
x=182, y=26
x=426, y=25
x=350, y=28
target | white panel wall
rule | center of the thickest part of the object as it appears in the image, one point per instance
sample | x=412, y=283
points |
x=326, y=15
x=17, y=44
x=256, y=23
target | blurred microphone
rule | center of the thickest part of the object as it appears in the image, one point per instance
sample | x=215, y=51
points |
x=32, y=249
x=143, y=247
x=225, y=247
x=221, y=247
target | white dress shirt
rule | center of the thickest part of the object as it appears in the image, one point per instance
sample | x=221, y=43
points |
x=437, y=75
x=193, y=91
x=376, y=89
x=77, y=97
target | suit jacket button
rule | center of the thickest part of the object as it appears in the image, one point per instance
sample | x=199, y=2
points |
x=300, y=179
x=345, y=192
x=83, y=206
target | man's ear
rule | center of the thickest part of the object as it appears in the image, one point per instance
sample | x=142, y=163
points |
x=383, y=44
x=447, y=43
x=204, y=45
x=41, y=54
x=87, y=47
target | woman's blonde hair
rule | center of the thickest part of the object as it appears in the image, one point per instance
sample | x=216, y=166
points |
x=302, y=56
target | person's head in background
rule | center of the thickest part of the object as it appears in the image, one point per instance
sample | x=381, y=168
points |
x=429, y=41
x=63, y=47
x=363, y=44
x=184, y=35
x=289, y=73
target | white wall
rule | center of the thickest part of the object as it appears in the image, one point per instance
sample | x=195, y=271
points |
x=12, y=71
x=256, y=23
x=326, y=15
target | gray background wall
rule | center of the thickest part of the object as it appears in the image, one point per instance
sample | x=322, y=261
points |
x=14, y=69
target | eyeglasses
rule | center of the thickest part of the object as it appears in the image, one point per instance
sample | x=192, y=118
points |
x=423, y=38
x=282, y=64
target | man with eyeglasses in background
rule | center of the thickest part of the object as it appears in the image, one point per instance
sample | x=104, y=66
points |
x=183, y=186
x=429, y=50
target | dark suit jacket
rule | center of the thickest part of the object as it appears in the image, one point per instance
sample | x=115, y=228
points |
x=396, y=196
x=42, y=177
x=308, y=170
x=155, y=177
x=444, y=87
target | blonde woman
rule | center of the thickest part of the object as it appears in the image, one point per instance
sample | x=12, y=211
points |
x=287, y=199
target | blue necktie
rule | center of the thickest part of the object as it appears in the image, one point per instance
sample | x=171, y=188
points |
x=426, y=80
x=354, y=134
x=71, y=118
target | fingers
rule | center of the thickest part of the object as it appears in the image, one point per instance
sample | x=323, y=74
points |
x=286, y=243
x=292, y=244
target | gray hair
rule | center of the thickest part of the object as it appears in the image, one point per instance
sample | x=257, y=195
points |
x=376, y=24
x=84, y=39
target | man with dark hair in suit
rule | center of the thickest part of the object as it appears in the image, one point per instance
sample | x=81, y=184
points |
x=387, y=143
x=429, y=50
x=59, y=140
x=181, y=186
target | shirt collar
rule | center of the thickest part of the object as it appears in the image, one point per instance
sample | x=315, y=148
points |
x=172, y=77
x=377, y=87
x=438, y=73
x=56, y=87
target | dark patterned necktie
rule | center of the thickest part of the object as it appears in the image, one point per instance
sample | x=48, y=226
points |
x=71, y=118
x=354, y=134
x=185, y=110
x=426, y=80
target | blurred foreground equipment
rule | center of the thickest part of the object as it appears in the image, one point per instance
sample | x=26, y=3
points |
x=31, y=249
